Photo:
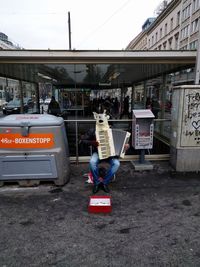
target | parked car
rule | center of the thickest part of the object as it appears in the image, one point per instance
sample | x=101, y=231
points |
x=14, y=106
x=3, y=103
x=29, y=102
x=2, y=99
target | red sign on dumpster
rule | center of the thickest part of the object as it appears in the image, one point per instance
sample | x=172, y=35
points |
x=17, y=141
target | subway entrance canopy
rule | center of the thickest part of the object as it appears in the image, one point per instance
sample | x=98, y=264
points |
x=76, y=75
x=92, y=69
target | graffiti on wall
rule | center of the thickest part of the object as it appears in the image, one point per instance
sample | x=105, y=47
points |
x=191, y=118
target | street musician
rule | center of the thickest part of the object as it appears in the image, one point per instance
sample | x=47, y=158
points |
x=100, y=138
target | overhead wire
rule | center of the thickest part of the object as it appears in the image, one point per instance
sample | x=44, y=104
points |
x=32, y=13
x=56, y=13
x=105, y=22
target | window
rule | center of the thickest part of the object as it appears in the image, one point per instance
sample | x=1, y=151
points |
x=187, y=30
x=156, y=37
x=184, y=32
x=160, y=32
x=194, y=25
x=176, y=42
x=164, y=45
x=184, y=47
x=193, y=45
x=165, y=28
x=186, y=12
x=195, y=5
x=171, y=24
x=170, y=43
x=178, y=19
x=152, y=40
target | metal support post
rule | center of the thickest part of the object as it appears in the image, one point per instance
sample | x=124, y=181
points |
x=69, y=29
x=142, y=156
x=76, y=124
x=197, y=67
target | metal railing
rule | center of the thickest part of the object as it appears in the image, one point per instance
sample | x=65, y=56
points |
x=125, y=124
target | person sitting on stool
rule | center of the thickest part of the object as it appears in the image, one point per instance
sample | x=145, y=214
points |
x=89, y=138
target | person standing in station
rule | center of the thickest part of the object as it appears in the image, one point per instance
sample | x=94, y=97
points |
x=115, y=109
x=155, y=107
x=54, y=107
x=148, y=103
x=126, y=107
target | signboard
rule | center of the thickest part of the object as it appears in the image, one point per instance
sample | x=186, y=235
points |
x=17, y=141
x=142, y=127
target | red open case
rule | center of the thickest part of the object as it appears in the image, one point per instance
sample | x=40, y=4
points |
x=100, y=204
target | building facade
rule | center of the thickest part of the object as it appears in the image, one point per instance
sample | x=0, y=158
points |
x=176, y=27
x=9, y=88
x=164, y=32
x=5, y=43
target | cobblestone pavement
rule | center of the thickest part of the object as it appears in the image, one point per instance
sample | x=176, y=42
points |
x=154, y=222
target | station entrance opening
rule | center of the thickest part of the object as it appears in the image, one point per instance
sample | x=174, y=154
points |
x=87, y=81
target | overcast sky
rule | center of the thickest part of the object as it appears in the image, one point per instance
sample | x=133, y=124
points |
x=95, y=24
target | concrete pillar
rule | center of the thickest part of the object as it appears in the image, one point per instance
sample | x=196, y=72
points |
x=37, y=96
x=21, y=93
x=185, y=128
x=132, y=97
x=145, y=94
x=162, y=99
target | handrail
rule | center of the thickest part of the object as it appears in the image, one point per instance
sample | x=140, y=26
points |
x=115, y=120
x=78, y=158
x=157, y=157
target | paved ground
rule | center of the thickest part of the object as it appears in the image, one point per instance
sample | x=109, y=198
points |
x=155, y=222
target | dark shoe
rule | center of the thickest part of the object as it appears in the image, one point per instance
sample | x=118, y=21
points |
x=105, y=188
x=95, y=188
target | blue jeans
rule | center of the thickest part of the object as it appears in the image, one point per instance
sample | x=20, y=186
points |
x=94, y=162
